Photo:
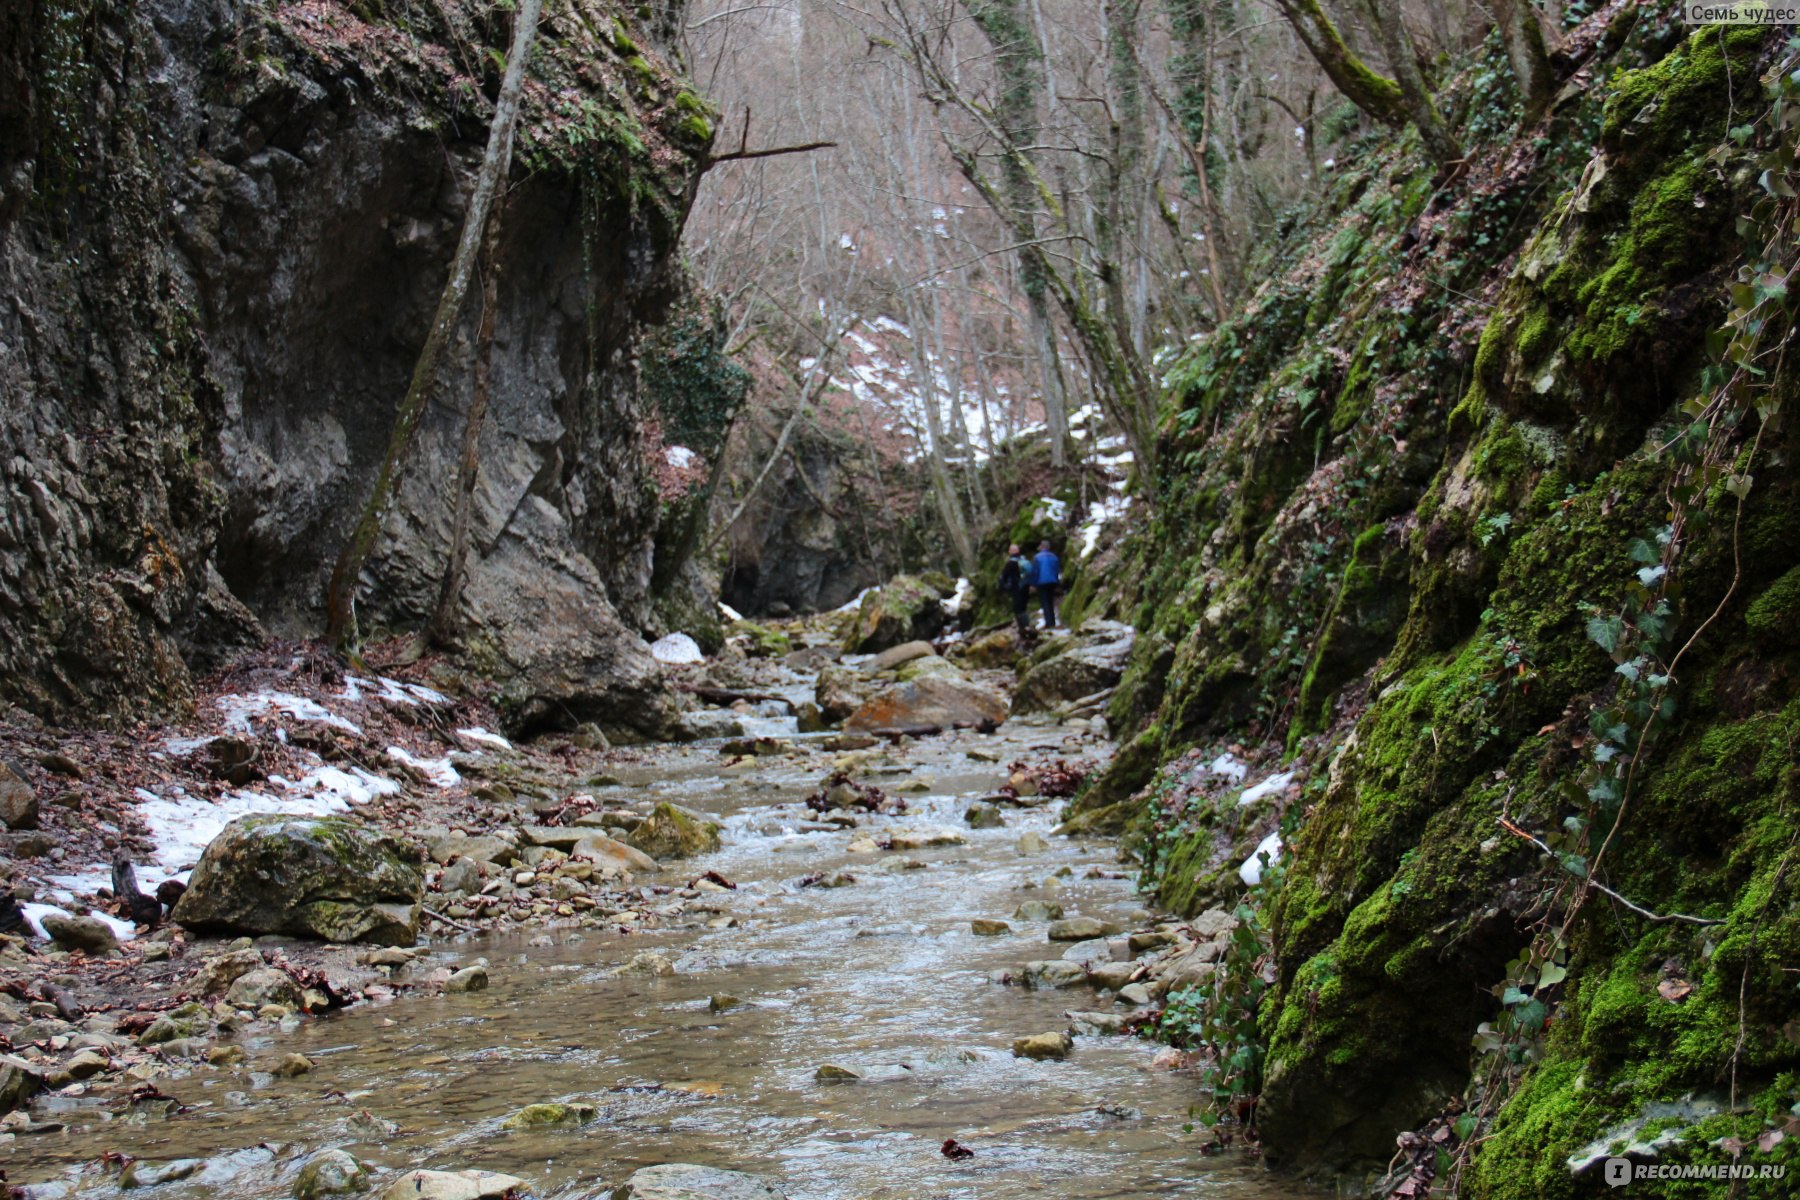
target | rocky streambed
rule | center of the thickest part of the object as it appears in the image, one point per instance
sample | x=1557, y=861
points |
x=910, y=987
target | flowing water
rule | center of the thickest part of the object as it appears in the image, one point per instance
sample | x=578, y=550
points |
x=882, y=975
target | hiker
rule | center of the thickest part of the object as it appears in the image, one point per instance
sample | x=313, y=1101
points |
x=1047, y=576
x=1015, y=581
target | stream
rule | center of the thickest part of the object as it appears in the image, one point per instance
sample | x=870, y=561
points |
x=882, y=975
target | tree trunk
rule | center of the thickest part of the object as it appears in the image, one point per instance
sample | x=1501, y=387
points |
x=1019, y=59
x=1523, y=37
x=340, y=597
x=1403, y=58
x=442, y=629
x=1375, y=94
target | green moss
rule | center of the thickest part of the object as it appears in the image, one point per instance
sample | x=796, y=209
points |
x=1775, y=614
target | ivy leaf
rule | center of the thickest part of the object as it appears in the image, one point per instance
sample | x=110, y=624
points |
x=1551, y=975
x=1605, y=632
x=1649, y=575
x=1514, y=996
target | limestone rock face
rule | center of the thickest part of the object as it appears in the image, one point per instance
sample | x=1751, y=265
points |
x=316, y=186
x=323, y=877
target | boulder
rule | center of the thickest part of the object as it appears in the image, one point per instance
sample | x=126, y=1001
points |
x=552, y=1116
x=1038, y=910
x=18, y=800
x=1051, y=973
x=673, y=832
x=90, y=935
x=894, y=657
x=451, y=1185
x=609, y=852
x=469, y=979
x=683, y=1181
x=931, y=701
x=264, y=985
x=330, y=1173
x=920, y=668
x=999, y=648
x=143, y=1173
x=19, y=1082
x=1044, y=1046
x=1080, y=929
x=323, y=877
x=1091, y=661
x=983, y=816
x=222, y=970
x=988, y=927
x=483, y=848
x=906, y=609
x=840, y=691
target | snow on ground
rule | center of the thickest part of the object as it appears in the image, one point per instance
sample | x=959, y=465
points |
x=437, y=770
x=35, y=914
x=855, y=604
x=240, y=708
x=1252, y=870
x=678, y=649
x=965, y=591
x=390, y=691
x=1051, y=509
x=482, y=737
x=1228, y=766
x=1107, y=510
x=680, y=456
x=1274, y=785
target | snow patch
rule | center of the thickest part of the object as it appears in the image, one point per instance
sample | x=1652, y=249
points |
x=437, y=770
x=954, y=604
x=35, y=914
x=856, y=603
x=1272, y=786
x=1109, y=509
x=680, y=456
x=678, y=649
x=1252, y=870
x=1053, y=510
x=1229, y=767
x=482, y=737
x=239, y=709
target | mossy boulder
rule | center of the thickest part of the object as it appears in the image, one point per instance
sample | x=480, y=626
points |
x=1091, y=661
x=908, y=608
x=552, y=1116
x=324, y=877
x=933, y=665
x=330, y=1173
x=760, y=641
x=671, y=831
x=996, y=649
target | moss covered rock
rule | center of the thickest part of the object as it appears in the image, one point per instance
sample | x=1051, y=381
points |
x=907, y=608
x=323, y=877
x=671, y=831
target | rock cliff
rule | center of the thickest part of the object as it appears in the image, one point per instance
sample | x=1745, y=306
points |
x=224, y=227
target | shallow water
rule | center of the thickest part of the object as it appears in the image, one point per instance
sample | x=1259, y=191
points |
x=881, y=975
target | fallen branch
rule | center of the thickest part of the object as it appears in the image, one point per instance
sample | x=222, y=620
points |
x=1640, y=910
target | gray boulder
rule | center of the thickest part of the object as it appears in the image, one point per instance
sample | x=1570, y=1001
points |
x=684, y=1181
x=895, y=657
x=89, y=935
x=18, y=801
x=1091, y=661
x=930, y=700
x=323, y=877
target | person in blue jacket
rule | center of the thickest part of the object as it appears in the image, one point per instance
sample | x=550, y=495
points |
x=1047, y=577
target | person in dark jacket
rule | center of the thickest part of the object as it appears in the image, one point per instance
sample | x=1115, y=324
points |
x=1047, y=577
x=1015, y=581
